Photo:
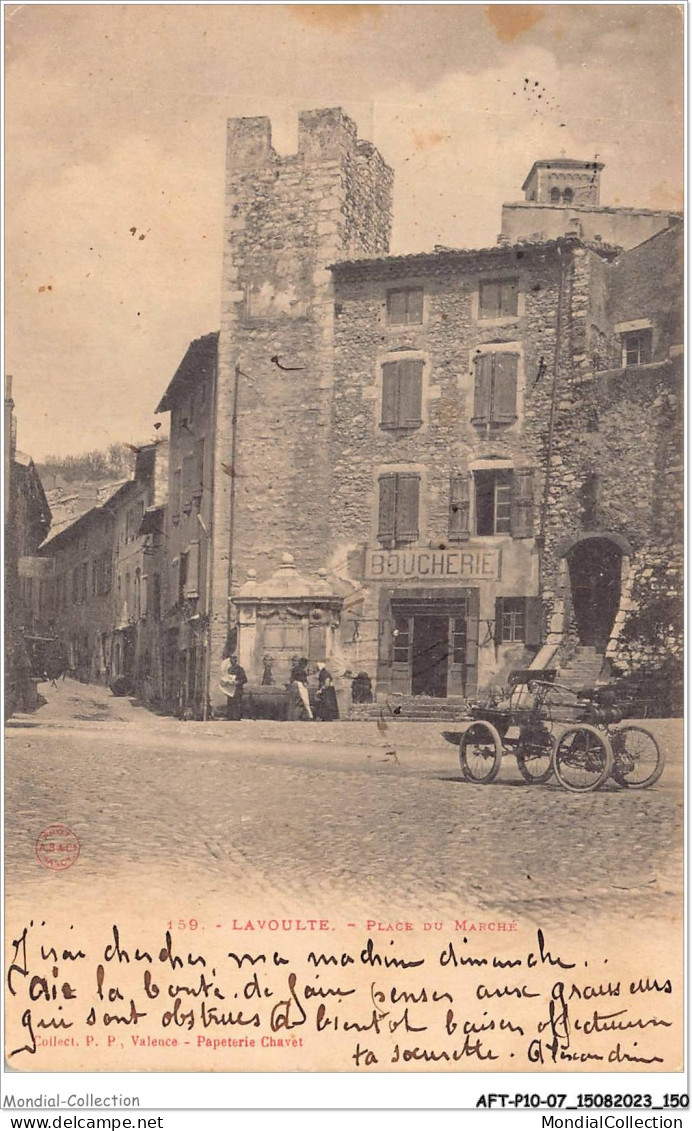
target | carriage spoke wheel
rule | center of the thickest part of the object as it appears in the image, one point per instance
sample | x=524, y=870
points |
x=583, y=758
x=480, y=752
x=637, y=759
x=535, y=753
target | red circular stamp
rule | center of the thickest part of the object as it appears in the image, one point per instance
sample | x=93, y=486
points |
x=57, y=847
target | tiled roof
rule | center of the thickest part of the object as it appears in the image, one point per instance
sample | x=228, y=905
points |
x=200, y=357
x=451, y=255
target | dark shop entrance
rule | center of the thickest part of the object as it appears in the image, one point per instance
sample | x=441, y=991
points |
x=430, y=656
x=433, y=644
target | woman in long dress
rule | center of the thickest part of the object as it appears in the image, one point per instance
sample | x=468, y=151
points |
x=298, y=699
x=327, y=708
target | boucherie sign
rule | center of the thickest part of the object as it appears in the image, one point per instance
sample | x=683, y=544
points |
x=468, y=563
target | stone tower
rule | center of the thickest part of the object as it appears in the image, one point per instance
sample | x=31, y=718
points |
x=286, y=219
x=564, y=181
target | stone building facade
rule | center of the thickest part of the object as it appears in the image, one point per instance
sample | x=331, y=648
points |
x=616, y=499
x=105, y=589
x=188, y=528
x=435, y=467
x=139, y=582
x=27, y=520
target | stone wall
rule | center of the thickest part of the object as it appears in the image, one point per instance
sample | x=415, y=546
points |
x=647, y=283
x=625, y=430
x=619, y=227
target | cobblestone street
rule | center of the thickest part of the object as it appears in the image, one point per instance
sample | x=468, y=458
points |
x=303, y=815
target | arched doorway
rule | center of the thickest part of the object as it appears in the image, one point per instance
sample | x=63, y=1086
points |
x=595, y=573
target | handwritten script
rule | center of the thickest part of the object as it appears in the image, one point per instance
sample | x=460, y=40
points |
x=454, y=1002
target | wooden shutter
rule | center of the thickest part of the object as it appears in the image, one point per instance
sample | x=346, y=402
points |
x=472, y=627
x=387, y=511
x=192, y=571
x=459, y=507
x=390, y=394
x=509, y=298
x=410, y=393
x=396, y=308
x=182, y=578
x=199, y=472
x=189, y=477
x=489, y=300
x=407, y=496
x=534, y=621
x=504, y=397
x=482, y=387
x=177, y=491
x=497, y=628
x=415, y=305
x=522, y=503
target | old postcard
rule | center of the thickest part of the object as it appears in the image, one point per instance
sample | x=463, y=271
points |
x=344, y=541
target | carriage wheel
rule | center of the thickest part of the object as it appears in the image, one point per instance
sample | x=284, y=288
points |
x=583, y=758
x=637, y=759
x=480, y=752
x=535, y=753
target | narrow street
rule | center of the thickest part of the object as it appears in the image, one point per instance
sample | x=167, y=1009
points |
x=302, y=815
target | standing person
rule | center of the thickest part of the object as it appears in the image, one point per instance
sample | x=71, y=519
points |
x=327, y=708
x=268, y=671
x=361, y=688
x=298, y=699
x=56, y=663
x=232, y=682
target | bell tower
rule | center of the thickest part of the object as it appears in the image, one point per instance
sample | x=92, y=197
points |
x=565, y=182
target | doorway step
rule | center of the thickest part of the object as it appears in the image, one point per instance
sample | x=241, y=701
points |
x=583, y=669
x=411, y=707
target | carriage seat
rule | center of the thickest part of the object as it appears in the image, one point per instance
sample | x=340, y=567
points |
x=601, y=704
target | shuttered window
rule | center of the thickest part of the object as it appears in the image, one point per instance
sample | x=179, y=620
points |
x=459, y=508
x=493, y=502
x=495, y=389
x=398, y=508
x=518, y=620
x=402, y=390
x=498, y=298
x=102, y=568
x=405, y=306
x=504, y=502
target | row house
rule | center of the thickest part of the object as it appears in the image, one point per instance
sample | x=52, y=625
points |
x=413, y=465
x=27, y=522
x=106, y=583
x=190, y=400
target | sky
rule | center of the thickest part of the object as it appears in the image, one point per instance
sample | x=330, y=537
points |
x=114, y=158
